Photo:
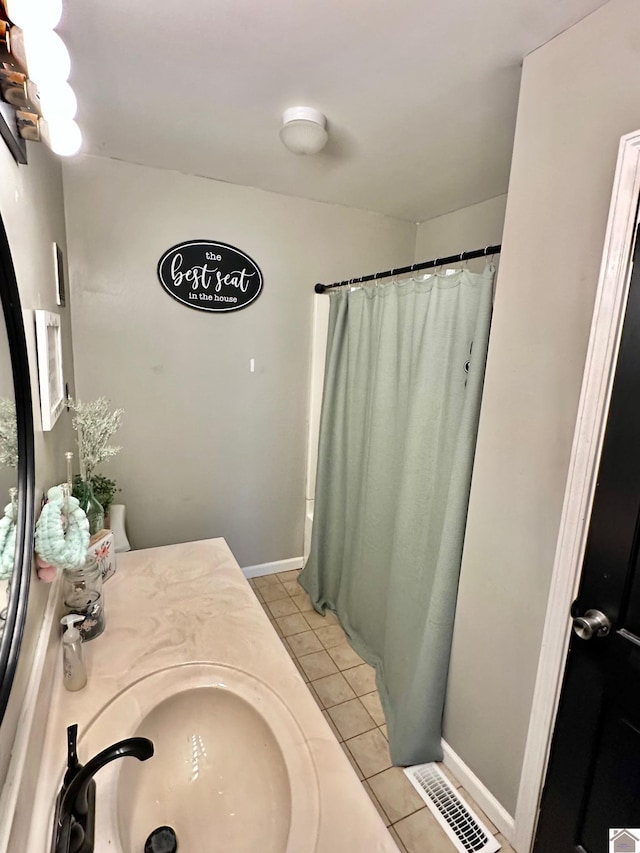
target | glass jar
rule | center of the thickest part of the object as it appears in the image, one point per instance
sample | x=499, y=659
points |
x=93, y=510
x=82, y=594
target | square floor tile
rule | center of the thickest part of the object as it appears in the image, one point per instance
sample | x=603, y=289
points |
x=396, y=794
x=371, y=752
x=332, y=635
x=282, y=607
x=333, y=689
x=289, y=576
x=316, y=620
x=317, y=665
x=344, y=656
x=506, y=847
x=351, y=718
x=397, y=839
x=305, y=643
x=372, y=703
x=291, y=587
x=264, y=581
x=293, y=624
x=302, y=602
x=421, y=833
x=272, y=591
x=375, y=802
x=362, y=679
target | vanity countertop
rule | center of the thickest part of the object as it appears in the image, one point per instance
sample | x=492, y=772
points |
x=191, y=602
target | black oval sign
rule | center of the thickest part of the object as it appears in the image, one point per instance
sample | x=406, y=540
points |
x=210, y=276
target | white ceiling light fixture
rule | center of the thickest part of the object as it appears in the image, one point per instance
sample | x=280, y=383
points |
x=304, y=130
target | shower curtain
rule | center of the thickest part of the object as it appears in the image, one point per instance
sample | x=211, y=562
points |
x=403, y=381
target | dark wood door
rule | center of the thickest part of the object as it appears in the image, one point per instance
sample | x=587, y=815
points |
x=593, y=778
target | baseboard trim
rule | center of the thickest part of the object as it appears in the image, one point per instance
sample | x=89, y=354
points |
x=273, y=568
x=480, y=793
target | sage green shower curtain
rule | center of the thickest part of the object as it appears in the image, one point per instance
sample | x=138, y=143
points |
x=403, y=381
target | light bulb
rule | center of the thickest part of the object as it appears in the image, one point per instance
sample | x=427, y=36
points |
x=57, y=101
x=35, y=14
x=46, y=55
x=62, y=136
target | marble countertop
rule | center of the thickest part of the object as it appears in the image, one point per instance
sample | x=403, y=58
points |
x=191, y=602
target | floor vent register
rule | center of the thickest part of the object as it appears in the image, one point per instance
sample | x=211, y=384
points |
x=465, y=829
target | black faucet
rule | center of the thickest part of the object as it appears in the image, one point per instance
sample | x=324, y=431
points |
x=74, y=822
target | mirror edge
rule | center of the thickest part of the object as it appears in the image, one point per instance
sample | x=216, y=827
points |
x=17, y=607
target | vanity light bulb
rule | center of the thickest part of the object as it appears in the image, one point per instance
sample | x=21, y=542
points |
x=46, y=55
x=58, y=101
x=34, y=14
x=62, y=136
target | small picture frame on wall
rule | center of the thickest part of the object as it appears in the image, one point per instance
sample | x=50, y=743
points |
x=50, y=376
x=58, y=260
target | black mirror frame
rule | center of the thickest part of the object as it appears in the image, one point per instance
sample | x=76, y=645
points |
x=17, y=607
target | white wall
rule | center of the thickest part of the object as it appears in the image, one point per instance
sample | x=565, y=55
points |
x=471, y=227
x=209, y=449
x=579, y=94
x=31, y=205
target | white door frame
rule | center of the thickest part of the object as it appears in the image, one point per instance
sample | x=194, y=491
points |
x=604, y=342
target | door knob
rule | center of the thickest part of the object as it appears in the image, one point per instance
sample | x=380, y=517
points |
x=592, y=624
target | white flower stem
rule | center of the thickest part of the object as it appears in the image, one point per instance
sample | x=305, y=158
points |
x=83, y=471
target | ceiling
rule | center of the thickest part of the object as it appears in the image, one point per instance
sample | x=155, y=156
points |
x=420, y=97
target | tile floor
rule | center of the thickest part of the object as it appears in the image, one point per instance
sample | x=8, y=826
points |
x=343, y=685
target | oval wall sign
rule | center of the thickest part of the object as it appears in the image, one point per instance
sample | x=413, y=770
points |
x=210, y=276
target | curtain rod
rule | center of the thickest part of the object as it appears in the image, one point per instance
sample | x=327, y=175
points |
x=425, y=265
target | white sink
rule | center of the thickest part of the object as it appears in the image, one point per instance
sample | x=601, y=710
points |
x=232, y=770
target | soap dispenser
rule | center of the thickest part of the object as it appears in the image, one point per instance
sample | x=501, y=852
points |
x=74, y=673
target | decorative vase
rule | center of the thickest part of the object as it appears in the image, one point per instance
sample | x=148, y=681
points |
x=93, y=510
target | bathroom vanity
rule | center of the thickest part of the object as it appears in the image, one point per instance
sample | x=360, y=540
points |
x=244, y=760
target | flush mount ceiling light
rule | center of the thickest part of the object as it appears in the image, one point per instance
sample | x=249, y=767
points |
x=304, y=130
